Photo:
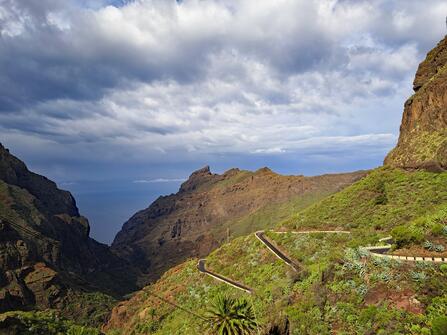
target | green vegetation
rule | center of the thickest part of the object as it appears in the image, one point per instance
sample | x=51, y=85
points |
x=376, y=204
x=419, y=147
x=90, y=309
x=18, y=205
x=41, y=323
x=268, y=216
x=341, y=288
x=439, y=325
x=405, y=235
x=230, y=316
x=424, y=228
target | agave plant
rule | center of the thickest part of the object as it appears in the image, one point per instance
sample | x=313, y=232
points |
x=418, y=276
x=428, y=245
x=228, y=316
x=439, y=248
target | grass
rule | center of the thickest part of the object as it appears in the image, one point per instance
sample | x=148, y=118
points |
x=41, y=323
x=339, y=289
x=377, y=203
x=419, y=147
x=90, y=309
x=332, y=294
x=267, y=216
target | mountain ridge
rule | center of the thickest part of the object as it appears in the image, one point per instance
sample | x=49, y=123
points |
x=210, y=208
x=342, y=290
x=46, y=253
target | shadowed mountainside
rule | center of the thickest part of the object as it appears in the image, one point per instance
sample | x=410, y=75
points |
x=208, y=206
x=46, y=253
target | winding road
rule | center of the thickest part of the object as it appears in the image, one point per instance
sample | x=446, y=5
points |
x=377, y=251
x=201, y=267
x=276, y=251
x=380, y=251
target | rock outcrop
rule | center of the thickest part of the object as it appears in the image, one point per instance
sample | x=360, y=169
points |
x=423, y=132
x=45, y=248
x=209, y=207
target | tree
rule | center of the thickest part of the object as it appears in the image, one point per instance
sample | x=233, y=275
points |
x=228, y=316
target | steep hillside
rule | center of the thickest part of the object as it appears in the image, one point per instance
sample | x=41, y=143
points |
x=423, y=132
x=340, y=288
x=210, y=208
x=337, y=291
x=46, y=255
x=384, y=199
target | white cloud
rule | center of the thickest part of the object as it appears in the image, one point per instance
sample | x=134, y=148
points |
x=158, y=180
x=155, y=80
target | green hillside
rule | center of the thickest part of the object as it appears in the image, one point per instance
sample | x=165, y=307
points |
x=337, y=289
x=385, y=198
x=41, y=323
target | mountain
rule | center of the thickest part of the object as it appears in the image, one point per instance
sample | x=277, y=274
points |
x=209, y=208
x=340, y=288
x=423, y=132
x=46, y=254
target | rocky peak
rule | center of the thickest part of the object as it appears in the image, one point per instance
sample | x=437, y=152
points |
x=264, y=170
x=423, y=132
x=49, y=198
x=432, y=64
x=196, y=179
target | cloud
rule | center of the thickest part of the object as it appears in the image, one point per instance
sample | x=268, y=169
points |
x=163, y=82
x=158, y=180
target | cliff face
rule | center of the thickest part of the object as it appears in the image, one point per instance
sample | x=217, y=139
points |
x=210, y=206
x=45, y=248
x=423, y=132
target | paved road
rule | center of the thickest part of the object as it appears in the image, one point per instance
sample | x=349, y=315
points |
x=314, y=232
x=275, y=250
x=381, y=251
x=201, y=267
x=375, y=251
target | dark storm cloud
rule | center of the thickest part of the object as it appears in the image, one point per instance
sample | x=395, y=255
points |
x=42, y=60
x=187, y=79
x=50, y=52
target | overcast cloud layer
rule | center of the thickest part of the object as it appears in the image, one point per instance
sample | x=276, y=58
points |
x=148, y=90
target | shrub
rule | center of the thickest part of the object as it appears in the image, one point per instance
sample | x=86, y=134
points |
x=405, y=235
x=437, y=229
x=419, y=330
x=439, y=325
x=443, y=268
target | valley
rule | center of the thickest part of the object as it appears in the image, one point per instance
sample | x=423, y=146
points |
x=359, y=253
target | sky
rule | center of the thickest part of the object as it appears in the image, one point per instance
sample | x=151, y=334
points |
x=119, y=101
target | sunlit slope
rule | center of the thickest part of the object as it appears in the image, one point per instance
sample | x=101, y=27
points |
x=377, y=203
x=338, y=290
